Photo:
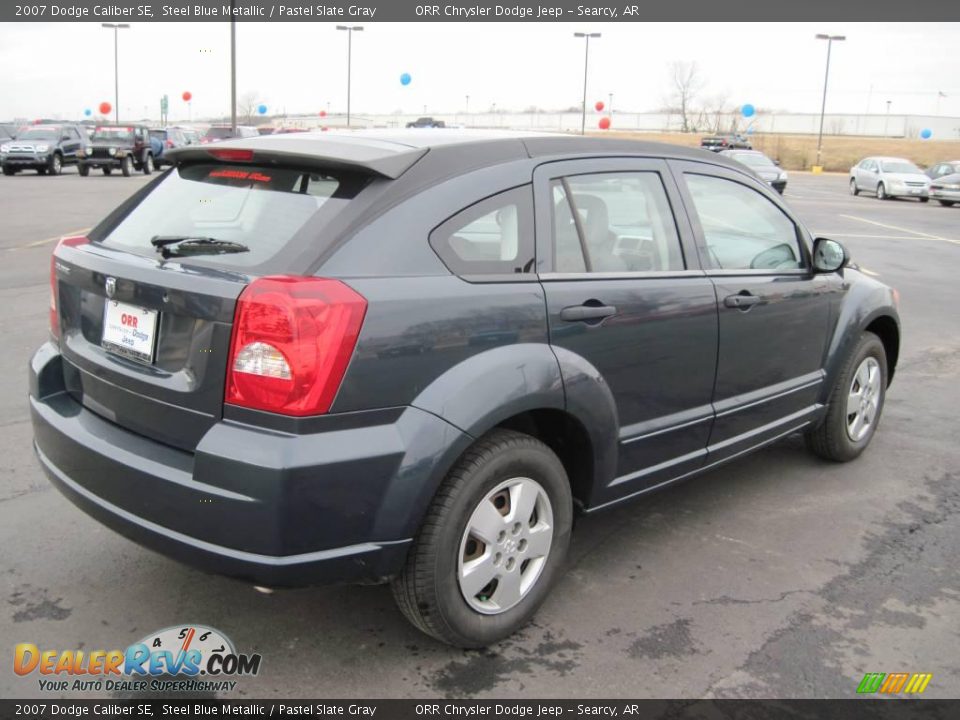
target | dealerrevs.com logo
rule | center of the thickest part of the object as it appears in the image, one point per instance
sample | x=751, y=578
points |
x=185, y=658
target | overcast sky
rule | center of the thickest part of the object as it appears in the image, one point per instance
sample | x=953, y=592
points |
x=58, y=69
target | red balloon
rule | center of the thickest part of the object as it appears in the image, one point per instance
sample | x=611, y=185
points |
x=187, y=96
x=599, y=106
x=604, y=123
x=105, y=108
x=323, y=113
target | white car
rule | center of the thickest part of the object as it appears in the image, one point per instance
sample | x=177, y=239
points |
x=889, y=177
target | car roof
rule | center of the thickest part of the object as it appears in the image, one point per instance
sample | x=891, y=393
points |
x=391, y=152
x=888, y=157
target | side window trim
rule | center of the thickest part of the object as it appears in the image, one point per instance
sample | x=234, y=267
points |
x=556, y=170
x=680, y=168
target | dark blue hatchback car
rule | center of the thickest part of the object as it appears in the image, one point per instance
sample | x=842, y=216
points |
x=413, y=357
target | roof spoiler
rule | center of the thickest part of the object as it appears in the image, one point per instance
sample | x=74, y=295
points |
x=388, y=160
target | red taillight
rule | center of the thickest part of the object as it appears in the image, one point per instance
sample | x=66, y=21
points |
x=54, y=314
x=292, y=340
x=169, y=143
x=232, y=154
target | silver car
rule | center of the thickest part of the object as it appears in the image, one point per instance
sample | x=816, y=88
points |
x=768, y=170
x=889, y=177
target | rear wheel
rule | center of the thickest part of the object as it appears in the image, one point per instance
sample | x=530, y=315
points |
x=854, y=190
x=107, y=171
x=492, y=544
x=84, y=170
x=41, y=171
x=126, y=166
x=946, y=203
x=147, y=166
x=881, y=192
x=855, y=404
x=926, y=199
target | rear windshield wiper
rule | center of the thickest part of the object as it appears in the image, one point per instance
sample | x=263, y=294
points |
x=179, y=245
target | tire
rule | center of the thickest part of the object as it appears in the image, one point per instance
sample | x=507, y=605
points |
x=7, y=170
x=147, y=165
x=428, y=589
x=126, y=166
x=41, y=171
x=854, y=190
x=882, y=192
x=55, y=164
x=107, y=171
x=837, y=438
x=84, y=170
x=946, y=203
x=925, y=200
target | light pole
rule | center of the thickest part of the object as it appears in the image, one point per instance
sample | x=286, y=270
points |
x=886, y=123
x=116, y=27
x=826, y=77
x=350, y=30
x=586, y=63
x=610, y=106
x=233, y=71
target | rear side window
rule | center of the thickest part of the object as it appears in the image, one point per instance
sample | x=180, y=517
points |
x=491, y=237
x=260, y=207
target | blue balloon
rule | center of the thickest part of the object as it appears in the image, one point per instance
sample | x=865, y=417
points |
x=262, y=109
x=748, y=110
x=405, y=79
x=88, y=112
x=926, y=133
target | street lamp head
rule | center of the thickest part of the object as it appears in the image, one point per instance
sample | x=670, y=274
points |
x=357, y=28
x=591, y=35
x=824, y=36
x=579, y=34
x=342, y=27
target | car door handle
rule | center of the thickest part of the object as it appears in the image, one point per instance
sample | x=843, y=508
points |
x=742, y=301
x=591, y=310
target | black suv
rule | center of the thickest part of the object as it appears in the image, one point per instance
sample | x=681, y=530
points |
x=44, y=148
x=390, y=357
x=123, y=147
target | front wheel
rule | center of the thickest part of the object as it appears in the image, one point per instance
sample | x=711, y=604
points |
x=854, y=190
x=55, y=164
x=147, y=166
x=7, y=170
x=923, y=200
x=855, y=404
x=492, y=544
x=946, y=203
x=126, y=166
x=881, y=192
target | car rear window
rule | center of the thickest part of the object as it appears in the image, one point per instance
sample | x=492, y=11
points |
x=219, y=133
x=261, y=207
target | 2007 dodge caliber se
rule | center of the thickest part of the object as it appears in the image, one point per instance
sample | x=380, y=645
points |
x=414, y=357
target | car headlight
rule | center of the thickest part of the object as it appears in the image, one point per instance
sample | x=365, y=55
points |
x=4, y=148
x=112, y=151
x=41, y=148
x=783, y=175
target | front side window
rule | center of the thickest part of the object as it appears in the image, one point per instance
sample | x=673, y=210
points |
x=742, y=229
x=493, y=236
x=614, y=222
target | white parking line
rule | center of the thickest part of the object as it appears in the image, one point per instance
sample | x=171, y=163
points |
x=916, y=233
x=37, y=243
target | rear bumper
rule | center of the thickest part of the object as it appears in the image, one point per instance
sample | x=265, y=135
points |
x=270, y=507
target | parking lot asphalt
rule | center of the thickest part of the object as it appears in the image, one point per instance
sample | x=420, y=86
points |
x=778, y=575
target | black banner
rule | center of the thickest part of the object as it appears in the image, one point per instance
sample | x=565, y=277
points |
x=470, y=709
x=472, y=11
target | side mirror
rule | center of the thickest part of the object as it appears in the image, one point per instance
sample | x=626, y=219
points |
x=828, y=255
x=777, y=163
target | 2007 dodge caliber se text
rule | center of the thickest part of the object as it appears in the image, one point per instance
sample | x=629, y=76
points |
x=413, y=356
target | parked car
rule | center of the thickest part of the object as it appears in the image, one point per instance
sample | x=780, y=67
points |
x=170, y=138
x=734, y=141
x=947, y=167
x=945, y=182
x=44, y=148
x=123, y=147
x=889, y=177
x=216, y=133
x=767, y=169
x=426, y=122
x=190, y=135
x=292, y=400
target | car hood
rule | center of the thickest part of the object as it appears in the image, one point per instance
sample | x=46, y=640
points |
x=907, y=177
x=953, y=179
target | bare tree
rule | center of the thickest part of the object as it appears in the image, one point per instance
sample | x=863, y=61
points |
x=247, y=105
x=685, y=83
